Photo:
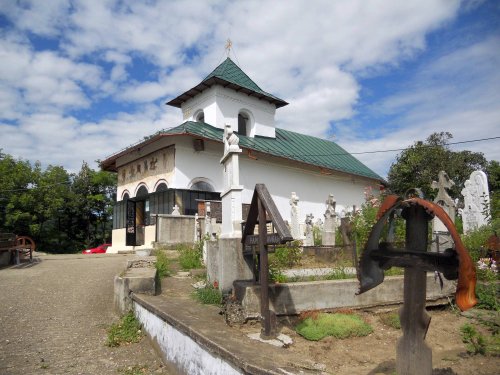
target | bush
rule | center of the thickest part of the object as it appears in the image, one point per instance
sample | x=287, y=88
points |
x=487, y=295
x=474, y=241
x=190, y=256
x=283, y=257
x=162, y=264
x=340, y=326
x=126, y=331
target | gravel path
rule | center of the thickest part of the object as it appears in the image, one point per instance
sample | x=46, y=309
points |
x=54, y=314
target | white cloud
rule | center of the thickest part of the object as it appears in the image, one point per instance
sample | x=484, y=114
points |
x=40, y=17
x=311, y=54
x=444, y=95
x=43, y=80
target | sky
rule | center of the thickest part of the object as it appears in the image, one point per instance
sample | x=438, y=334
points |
x=81, y=80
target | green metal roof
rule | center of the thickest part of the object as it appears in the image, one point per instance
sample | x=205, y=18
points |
x=228, y=74
x=287, y=144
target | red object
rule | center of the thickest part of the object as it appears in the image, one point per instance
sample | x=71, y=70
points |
x=97, y=250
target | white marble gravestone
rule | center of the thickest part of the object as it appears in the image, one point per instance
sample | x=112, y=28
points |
x=476, y=201
x=330, y=225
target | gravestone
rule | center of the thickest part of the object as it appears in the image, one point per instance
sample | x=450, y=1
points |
x=476, y=195
x=441, y=238
x=330, y=225
x=309, y=241
x=294, y=217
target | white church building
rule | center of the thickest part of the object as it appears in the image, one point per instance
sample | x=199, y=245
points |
x=178, y=167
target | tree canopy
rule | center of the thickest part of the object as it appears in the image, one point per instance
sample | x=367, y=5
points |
x=62, y=212
x=419, y=165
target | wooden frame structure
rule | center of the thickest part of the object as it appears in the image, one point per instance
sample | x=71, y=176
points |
x=256, y=246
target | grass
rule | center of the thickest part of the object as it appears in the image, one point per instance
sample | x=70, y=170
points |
x=338, y=325
x=189, y=256
x=340, y=273
x=162, y=264
x=391, y=319
x=208, y=295
x=126, y=331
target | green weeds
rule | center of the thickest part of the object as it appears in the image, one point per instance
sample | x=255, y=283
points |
x=162, y=264
x=473, y=340
x=209, y=295
x=338, y=325
x=134, y=370
x=126, y=331
x=190, y=256
x=391, y=319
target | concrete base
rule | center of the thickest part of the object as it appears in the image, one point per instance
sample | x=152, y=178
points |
x=225, y=263
x=294, y=298
x=137, y=280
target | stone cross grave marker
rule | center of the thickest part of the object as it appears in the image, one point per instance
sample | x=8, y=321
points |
x=330, y=226
x=441, y=238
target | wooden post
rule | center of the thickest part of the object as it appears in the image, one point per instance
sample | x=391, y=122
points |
x=414, y=356
x=264, y=274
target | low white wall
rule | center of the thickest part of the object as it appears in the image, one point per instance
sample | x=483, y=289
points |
x=118, y=240
x=179, y=349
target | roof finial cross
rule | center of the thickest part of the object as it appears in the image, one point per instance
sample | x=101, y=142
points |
x=229, y=44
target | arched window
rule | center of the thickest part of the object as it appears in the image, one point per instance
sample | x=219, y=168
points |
x=243, y=122
x=162, y=186
x=125, y=195
x=142, y=192
x=202, y=186
x=200, y=117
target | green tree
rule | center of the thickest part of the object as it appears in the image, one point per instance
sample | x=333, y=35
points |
x=62, y=212
x=93, y=204
x=16, y=178
x=420, y=164
x=493, y=173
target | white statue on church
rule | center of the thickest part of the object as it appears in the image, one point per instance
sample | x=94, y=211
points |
x=231, y=140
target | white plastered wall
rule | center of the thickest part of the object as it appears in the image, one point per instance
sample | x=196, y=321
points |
x=281, y=177
x=221, y=106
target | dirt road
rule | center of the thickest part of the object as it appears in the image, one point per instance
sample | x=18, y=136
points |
x=54, y=314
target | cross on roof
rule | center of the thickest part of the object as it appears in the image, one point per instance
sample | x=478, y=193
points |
x=228, y=46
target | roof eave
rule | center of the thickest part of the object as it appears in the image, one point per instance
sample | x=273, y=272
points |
x=198, y=89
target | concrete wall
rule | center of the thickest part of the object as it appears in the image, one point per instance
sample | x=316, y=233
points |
x=293, y=298
x=176, y=229
x=225, y=263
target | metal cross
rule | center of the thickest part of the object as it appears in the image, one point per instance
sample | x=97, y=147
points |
x=229, y=44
